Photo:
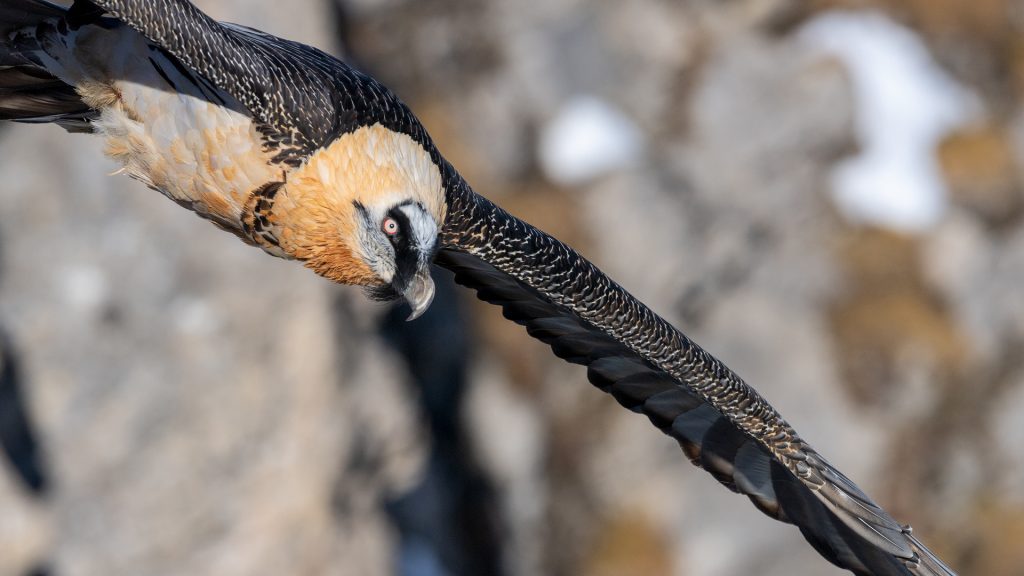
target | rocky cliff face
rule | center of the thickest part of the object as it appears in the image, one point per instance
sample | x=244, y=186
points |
x=172, y=401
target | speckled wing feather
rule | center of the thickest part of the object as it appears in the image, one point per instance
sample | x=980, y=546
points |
x=302, y=98
x=722, y=424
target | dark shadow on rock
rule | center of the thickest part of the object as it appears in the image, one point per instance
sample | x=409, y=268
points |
x=17, y=435
x=40, y=570
x=449, y=524
x=342, y=23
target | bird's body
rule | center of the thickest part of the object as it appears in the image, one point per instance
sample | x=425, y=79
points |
x=191, y=142
x=299, y=154
x=196, y=144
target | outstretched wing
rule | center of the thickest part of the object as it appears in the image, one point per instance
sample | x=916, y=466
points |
x=301, y=98
x=722, y=424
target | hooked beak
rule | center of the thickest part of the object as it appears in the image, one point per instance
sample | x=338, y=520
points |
x=419, y=293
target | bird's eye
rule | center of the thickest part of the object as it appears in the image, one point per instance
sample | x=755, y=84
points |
x=390, y=226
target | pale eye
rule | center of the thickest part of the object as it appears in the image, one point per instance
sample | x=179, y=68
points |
x=390, y=226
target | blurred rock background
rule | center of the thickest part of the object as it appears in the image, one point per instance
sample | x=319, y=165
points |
x=826, y=194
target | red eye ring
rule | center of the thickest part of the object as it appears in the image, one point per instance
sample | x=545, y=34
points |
x=390, y=226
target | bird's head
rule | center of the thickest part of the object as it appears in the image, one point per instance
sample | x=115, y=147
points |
x=365, y=211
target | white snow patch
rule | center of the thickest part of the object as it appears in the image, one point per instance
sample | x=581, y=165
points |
x=588, y=138
x=906, y=105
x=195, y=316
x=84, y=287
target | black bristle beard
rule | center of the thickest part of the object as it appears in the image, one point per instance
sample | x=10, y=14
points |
x=383, y=293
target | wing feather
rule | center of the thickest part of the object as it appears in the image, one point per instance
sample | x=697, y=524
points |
x=302, y=98
x=721, y=423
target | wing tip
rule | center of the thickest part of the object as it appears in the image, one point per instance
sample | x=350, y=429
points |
x=924, y=561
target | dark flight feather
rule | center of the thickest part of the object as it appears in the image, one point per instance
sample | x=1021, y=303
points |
x=721, y=423
x=28, y=94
